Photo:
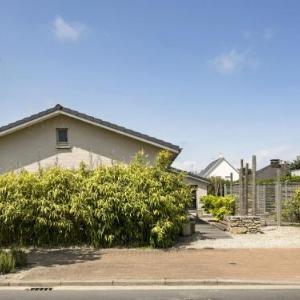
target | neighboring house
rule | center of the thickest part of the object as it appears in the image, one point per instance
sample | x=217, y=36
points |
x=295, y=167
x=64, y=137
x=295, y=172
x=220, y=168
x=270, y=171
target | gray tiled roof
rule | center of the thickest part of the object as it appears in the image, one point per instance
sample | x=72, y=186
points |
x=205, y=172
x=69, y=111
x=270, y=172
x=190, y=174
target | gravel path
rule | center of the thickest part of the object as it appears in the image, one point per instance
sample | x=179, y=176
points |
x=272, y=237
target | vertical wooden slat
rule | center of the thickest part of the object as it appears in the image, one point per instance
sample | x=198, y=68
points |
x=254, y=194
x=231, y=183
x=278, y=198
x=246, y=189
x=241, y=188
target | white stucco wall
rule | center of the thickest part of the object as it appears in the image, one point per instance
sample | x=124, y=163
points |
x=295, y=172
x=223, y=170
x=201, y=189
x=35, y=146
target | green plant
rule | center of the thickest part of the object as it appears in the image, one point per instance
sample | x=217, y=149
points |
x=20, y=257
x=292, y=208
x=137, y=204
x=7, y=262
x=290, y=178
x=163, y=234
x=219, y=206
x=283, y=179
x=295, y=165
x=216, y=186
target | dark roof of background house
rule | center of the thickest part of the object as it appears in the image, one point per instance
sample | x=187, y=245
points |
x=69, y=111
x=190, y=174
x=270, y=172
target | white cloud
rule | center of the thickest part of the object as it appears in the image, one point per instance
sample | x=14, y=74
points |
x=232, y=61
x=65, y=31
x=268, y=34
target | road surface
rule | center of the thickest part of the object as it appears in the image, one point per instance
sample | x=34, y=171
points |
x=158, y=293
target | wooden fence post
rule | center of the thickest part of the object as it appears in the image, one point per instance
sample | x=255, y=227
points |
x=246, y=189
x=254, y=195
x=241, y=189
x=257, y=198
x=231, y=183
x=265, y=199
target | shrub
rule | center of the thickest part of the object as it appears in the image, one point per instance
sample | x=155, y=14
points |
x=138, y=204
x=163, y=234
x=288, y=178
x=218, y=206
x=7, y=262
x=292, y=208
x=20, y=257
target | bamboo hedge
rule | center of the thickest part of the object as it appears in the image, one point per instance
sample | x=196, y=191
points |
x=134, y=205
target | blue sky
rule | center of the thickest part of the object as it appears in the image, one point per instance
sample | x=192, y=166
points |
x=211, y=76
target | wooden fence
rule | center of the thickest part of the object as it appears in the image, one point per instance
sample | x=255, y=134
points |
x=271, y=199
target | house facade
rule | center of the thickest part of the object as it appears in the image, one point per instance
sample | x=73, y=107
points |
x=64, y=137
x=295, y=172
x=220, y=168
x=295, y=166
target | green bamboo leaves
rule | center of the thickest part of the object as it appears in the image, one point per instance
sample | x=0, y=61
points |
x=134, y=205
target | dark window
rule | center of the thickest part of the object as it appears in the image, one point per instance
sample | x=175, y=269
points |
x=62, y=136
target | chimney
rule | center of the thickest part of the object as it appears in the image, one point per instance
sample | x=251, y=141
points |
x=275, y=163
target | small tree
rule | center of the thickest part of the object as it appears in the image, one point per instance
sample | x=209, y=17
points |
x=295, y=165
x=216, y=186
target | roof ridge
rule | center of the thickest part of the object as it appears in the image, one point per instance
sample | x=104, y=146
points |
x=74, y=113
x=211, y=166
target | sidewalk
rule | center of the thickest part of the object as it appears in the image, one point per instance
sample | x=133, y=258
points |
x=136, y=266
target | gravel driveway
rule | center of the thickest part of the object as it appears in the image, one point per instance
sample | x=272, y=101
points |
x=208, y=236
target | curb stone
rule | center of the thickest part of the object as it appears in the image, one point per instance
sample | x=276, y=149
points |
x=125, y=282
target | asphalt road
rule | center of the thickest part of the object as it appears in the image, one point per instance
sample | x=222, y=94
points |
x=149, y=294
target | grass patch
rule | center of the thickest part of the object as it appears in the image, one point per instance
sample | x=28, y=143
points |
x=12, y=259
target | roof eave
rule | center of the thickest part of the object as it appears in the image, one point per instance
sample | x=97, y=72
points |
x=204, y=180
x=191, y=175
x=58, y=109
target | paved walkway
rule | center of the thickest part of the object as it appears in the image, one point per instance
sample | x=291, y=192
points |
x=80, y=265
x=208, y=236
x=204, y=232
